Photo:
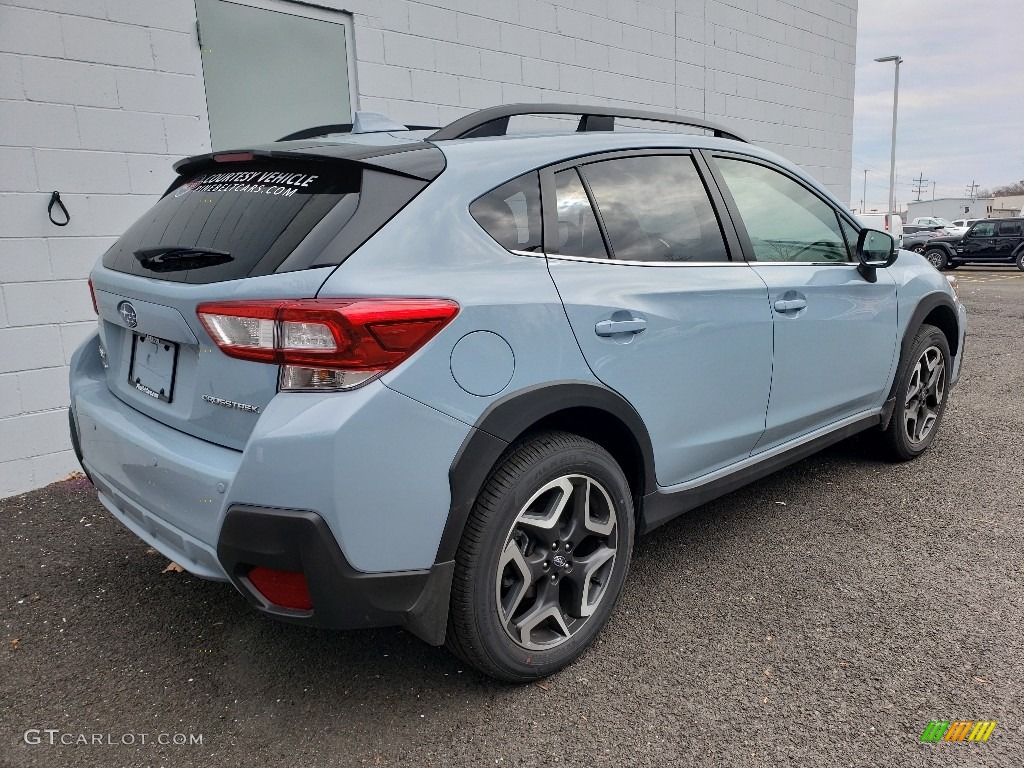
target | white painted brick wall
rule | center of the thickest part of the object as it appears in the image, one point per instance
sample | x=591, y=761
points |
x=97, y=97
x=779, y=70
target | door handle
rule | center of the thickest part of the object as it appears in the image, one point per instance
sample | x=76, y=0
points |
x=790, y=305
x=611, y=327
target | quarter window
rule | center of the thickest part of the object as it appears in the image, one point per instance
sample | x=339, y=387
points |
x=852, y=237
x=511, y=214
x=656, y=208
x=785, y=220
x=1011, y=228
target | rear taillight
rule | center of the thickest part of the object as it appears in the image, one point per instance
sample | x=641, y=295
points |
x=326, y=343
x=92, y=293
x=287, y=589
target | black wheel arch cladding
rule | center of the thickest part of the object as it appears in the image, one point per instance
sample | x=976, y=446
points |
x=517, y=414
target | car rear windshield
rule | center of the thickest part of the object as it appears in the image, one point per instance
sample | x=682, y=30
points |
x=234, y=221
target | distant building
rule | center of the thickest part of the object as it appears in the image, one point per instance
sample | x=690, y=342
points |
x=1008, y=205
x=951, y=208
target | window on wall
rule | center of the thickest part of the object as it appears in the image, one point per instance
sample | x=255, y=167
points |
x=272, y=68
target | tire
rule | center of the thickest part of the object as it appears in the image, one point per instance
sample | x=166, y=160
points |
x=1019, y=261
x=937, y=257
x=922, y=389
x=523, y=599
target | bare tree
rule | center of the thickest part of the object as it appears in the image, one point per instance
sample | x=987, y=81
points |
x=1006, y=189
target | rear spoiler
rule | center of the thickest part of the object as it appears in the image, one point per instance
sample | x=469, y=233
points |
x=417, y=160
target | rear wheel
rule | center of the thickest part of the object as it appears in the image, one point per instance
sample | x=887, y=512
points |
x=937, y=257
x=921, y=388
x=1020, y=260
x=543, y=558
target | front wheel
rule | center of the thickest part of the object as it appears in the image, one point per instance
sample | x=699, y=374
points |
x=922, y=383
x=937, y=257
x=543, y=558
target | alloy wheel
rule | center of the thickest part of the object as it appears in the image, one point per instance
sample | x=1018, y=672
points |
x=936, y=258
x=925, y=392
x=556, y=562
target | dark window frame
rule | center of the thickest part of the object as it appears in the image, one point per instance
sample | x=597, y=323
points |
x=718, y=204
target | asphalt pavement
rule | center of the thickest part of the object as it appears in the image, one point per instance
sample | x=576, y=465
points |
x=820, y=617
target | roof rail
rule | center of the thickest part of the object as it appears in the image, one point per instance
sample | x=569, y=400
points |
x=493, y=121
x=363, y=122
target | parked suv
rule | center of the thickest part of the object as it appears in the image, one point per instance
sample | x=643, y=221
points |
x=442, y=379
x=988, y=241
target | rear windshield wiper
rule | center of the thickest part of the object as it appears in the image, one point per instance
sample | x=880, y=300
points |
x=170, y=258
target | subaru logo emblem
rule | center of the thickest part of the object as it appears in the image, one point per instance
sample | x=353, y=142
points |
x=559, y=561
x=127, y=313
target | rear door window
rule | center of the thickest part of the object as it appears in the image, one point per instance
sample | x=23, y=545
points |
x=656, y=208
x=578, y=231
x=230, y=222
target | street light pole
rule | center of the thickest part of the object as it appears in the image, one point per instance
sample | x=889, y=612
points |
x=895, y=105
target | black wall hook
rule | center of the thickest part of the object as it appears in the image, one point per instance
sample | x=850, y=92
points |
x=55, y=200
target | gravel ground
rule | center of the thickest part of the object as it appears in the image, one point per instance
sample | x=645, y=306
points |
x=820, y=617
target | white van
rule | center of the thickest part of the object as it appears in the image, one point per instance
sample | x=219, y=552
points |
x=885, y=222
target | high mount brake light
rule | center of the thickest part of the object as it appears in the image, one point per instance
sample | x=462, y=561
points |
x=326, y=344
x=233, y=157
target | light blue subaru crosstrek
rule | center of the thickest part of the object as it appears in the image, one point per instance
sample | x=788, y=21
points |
x=379, y=376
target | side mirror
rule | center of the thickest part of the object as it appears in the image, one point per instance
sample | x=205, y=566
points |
x=874, y=250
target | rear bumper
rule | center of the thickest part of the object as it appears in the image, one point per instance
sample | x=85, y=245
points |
x=367, y=470
x=165, y=486
x=342, y=597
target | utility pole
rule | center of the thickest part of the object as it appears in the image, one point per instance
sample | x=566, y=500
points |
x=864, y=194
x=921, y=180
x=971, y=190
x=933, y=198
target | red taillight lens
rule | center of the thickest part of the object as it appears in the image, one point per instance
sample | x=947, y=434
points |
x=364, y=336
x=92, y=294
x=287, y=589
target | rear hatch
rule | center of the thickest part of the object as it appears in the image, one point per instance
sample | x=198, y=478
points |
x=264, y=224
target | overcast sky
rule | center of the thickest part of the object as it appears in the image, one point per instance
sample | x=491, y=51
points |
x=961, y=107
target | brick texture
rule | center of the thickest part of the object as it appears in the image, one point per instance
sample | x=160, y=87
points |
x=97, y=99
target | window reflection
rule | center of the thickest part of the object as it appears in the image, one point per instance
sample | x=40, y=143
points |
x=655, y=208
